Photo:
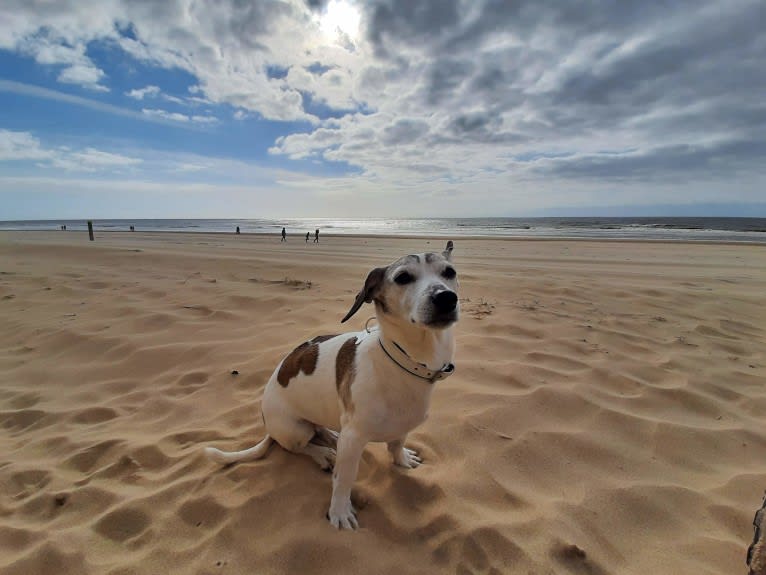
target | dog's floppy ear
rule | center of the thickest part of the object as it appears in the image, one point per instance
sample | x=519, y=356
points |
x=369, y=291
x=447, y=253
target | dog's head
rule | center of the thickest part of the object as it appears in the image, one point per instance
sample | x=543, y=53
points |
x=419, y=289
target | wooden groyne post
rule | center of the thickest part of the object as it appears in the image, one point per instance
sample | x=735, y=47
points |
x=90, y=230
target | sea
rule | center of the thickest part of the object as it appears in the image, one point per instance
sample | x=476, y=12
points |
x=752, y=230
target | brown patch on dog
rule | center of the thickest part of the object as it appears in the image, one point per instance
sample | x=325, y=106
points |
x=302, y=359
x=321, y=338
x=430, y=257
x=344, y=372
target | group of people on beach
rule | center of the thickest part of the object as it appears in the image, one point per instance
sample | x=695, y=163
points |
x=284, y=234
x=308, y=234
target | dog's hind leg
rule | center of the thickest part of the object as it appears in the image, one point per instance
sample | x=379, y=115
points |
x=300, y=436
x=325, y=436
x=227, y=457
x=323, y=455
x=321, y=448
x=293, y=432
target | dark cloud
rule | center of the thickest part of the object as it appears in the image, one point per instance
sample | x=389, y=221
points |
x=445, y=78
x=468, y=123
x=405, y=21
x=683, y=73
x=663, y=162
x=317, y=5
x=404, y=131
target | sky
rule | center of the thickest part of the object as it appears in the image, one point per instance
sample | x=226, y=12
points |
x=395, y=108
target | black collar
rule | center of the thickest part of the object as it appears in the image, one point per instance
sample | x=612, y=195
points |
x=400, y=357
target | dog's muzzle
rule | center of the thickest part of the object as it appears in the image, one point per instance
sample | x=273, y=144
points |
x=443, y=309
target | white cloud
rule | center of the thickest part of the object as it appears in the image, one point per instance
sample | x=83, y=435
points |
x=23, y=146
x=139, y=94
x=174, y=116
x=90, y=160
x=178, y=117
x=20, y=146
x=83, y=75
x=49, y=48
x=228, y=48
x=203, y=119
x=38, y=92
x=155, y=92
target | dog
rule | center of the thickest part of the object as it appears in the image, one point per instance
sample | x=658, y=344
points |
x=372, y=385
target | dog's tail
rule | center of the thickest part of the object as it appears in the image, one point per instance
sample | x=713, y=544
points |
x=251, y=454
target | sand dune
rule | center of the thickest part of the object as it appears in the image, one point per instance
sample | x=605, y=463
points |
x=608, y=414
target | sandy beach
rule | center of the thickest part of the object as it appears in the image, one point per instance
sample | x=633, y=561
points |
x=607, y=415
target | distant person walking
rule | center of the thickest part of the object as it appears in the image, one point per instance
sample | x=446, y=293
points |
x=307, y=236
x=284, y=235
x=316, y=236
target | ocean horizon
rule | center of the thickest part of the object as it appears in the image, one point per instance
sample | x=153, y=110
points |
x=728, y=229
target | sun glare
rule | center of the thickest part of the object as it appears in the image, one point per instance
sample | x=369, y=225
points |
x=340, y=17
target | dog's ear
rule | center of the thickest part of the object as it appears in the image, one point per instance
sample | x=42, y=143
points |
x=369, y=291
x=447, y=253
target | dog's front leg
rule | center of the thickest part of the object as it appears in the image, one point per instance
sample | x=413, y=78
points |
x=350, y=447
x=403, y=456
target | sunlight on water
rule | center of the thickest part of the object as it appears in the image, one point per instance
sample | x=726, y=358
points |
x=708, y=229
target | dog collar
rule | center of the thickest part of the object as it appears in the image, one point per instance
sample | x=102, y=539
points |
x=400, y=358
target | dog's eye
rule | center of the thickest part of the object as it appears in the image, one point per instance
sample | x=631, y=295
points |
x=404, y=278
x=449, y=273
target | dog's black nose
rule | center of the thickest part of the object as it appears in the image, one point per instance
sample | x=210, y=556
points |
x=444, y=301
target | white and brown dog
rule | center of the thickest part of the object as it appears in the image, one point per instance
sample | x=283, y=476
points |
x=373, y=385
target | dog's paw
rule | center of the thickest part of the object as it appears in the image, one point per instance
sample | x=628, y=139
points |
x=324, y=456
x=344, y=517
x=407, y=458
x=329, y=461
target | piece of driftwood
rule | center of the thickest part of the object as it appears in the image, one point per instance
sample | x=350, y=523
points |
x=756, y=553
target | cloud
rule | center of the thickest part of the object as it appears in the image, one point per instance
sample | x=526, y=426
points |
x=662, y=162
x=91, y=160
x=486, y=100
x=85, y=76
x=48, y=47
x=139, y=94
x=23, y=146
x=20, y=146
x=154, y=92
x=39, y=92
x=488, y=88
x=178, y=117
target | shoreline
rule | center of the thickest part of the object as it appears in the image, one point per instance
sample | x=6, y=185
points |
x=440, y=237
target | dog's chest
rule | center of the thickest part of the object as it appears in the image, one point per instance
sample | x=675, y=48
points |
x=395, y=405
x=399, y=420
